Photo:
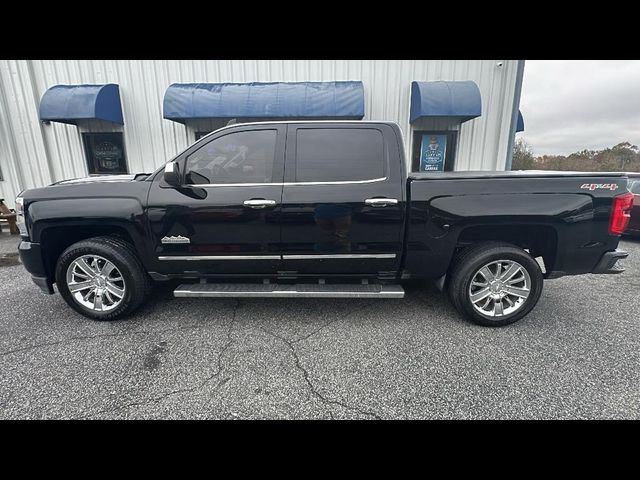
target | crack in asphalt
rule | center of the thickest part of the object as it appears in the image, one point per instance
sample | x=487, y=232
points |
x=128, y=331
x=323, y=399
x=330, y=322
x=326, y=401
x=202, y=384
x=312, y=387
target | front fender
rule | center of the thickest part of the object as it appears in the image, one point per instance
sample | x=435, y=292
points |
x=123, y=213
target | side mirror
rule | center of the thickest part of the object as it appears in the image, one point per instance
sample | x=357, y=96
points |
x=172, y=174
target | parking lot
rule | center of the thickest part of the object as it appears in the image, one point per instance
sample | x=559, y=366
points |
x=577, y=355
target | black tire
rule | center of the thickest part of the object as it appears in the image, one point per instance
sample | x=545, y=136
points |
x=123, y=256
x=122, y=243
x=470, y=260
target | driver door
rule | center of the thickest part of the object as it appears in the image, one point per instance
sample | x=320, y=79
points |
x=225, y=218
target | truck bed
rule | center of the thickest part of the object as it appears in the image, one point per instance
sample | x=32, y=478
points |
x=562, y=216
x=466, y=175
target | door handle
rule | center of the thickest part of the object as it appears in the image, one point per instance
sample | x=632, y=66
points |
x=259, y=203
x=380, y=202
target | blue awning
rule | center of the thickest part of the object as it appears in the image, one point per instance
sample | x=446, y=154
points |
x=328, y=100
x=445, y=99
x=520, y=124
x=70, y=103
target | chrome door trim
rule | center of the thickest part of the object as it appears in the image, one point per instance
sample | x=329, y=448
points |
x=285, y=184
x=219, y=257
x=339, y=255
x=277, y=257
x=209, y=185
x=337, y=182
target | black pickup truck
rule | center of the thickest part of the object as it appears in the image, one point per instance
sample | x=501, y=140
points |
x=319, y=209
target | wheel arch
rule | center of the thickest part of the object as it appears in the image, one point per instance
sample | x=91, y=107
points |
x=56, y=238
x=538, y=240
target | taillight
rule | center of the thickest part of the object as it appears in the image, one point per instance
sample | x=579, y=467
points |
x=621, y=213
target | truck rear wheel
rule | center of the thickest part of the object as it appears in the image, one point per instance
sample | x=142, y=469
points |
x=101, y=279
x=495, y=284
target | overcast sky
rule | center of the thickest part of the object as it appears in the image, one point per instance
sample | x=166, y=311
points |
x=570, y=105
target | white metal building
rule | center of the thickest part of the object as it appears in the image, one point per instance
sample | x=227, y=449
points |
x=56, y=116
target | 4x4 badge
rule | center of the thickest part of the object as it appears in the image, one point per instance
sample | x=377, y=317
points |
x=178, y=239
x=600, y=186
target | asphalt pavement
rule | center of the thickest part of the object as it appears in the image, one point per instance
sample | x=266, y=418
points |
x=577, y=355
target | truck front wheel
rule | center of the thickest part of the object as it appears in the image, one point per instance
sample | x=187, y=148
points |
x=495, y=284
x=101, y=279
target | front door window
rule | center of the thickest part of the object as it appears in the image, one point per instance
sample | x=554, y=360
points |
x=241, y=157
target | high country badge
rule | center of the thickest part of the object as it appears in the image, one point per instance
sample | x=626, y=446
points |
x=178, y=239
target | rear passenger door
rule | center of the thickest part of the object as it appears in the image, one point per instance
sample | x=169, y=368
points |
x=343, y=200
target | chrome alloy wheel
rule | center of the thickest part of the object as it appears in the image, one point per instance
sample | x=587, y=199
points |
x=95, y=283
x=499, y=288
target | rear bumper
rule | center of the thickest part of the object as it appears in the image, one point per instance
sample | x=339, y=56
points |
x=31, y=257
x=609, y=262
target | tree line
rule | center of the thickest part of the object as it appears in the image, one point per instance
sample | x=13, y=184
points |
x=621, y=157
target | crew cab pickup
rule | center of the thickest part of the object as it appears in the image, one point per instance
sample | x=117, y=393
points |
x=318, y=209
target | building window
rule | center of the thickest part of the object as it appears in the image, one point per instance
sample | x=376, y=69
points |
x=105, y=153
x=433, y=151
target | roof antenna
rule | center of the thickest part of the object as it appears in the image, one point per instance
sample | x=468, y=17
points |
x=232, y=121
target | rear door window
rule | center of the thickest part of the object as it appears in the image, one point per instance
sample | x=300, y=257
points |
x=339, y=154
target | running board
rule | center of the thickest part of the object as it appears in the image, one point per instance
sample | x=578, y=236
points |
x=280, y=291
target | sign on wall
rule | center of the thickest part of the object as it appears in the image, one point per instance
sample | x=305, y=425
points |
x=105, y=153
x=433, y=151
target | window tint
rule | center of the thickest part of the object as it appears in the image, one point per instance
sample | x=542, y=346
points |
x=335, y=154
x=241, y=157
x=635, y=187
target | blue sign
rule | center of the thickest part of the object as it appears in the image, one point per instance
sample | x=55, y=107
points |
x=432, y=153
